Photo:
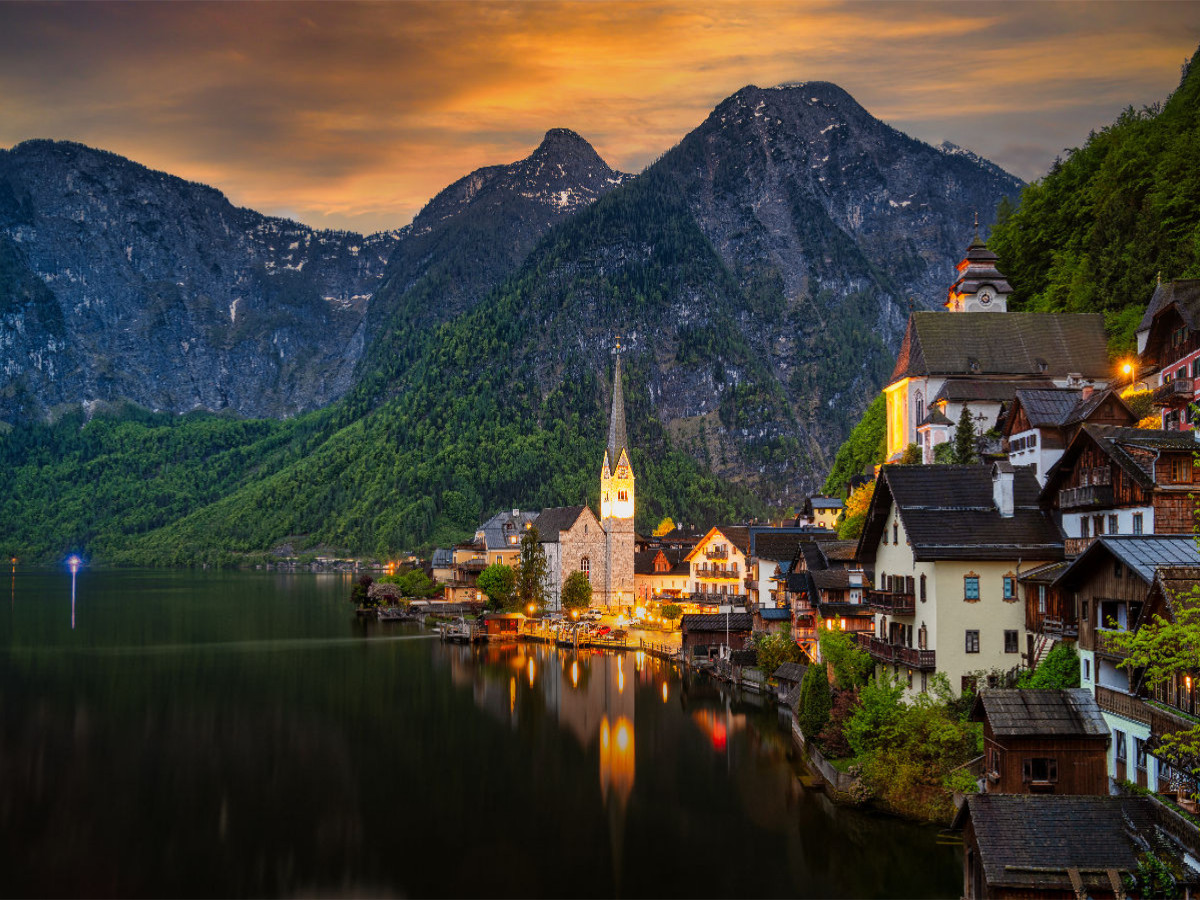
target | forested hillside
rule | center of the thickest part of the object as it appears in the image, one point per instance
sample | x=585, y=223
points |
x=1116, y=213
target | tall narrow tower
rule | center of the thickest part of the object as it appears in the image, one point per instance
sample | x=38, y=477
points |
x=617, y=503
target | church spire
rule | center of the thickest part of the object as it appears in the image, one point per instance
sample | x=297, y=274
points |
x=616, y=424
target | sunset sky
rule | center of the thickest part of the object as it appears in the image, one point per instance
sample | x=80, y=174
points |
x=355, y=115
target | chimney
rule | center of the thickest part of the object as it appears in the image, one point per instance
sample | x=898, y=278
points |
x=1002, y=488
x=1088, y=390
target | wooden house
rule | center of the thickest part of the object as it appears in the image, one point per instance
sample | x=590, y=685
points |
x=1043, y=742
x=1049, y=611
x=1115, y=480
x=503, y=626
x=1040, y=422
x=1110, y=583
x=1169, y=343
x=705, y=633
x=787, y=678
x=1024, y=846
x=827, y=589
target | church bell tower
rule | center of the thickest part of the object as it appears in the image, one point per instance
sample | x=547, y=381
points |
x=617, y=503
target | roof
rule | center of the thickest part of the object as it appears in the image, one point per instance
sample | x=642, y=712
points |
x=1116, y=442
x=495, y=532
x=643, y=561
x=775, y=615
x=790, y=671
x=617, y=444
x=738, y=535
x=1041, y=713
x=838, y=551
x=1086, y=406
x=443, y=558
x=986, y=389
x=717, y=622
x=1177, y=582
x=1048, y=407
x=1184, y=292
x=949, y=513
x=776, y=545
x=1141, y=554
x=1030, y=840
x=830, y=579
x=826, y=503
x=555, y=520
x=935, y=417
x=1046, y=574
x=841, y=609
x=1043, y=345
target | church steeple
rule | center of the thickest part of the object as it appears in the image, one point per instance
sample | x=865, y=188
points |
x=616, y=422
x=616, y=474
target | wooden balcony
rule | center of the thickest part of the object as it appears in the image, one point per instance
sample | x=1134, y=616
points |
x=884, y=652
x=1053, y=626
x=1164, y=720
x=1122, y=704
x=1086, y=497
x=716, y=553
x=893, y=603
x=1075, y=546
x=703, y=571
x=1179, y=392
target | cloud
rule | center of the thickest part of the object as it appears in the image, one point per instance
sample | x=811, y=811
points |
x=354, y=115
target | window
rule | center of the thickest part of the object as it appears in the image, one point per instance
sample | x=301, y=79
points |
x=1010, y=588
x=971, y=587
x=1119, y=738
x=920, y=410
x=895, y=533
x=1085, y=611
x=1114, y=524
x=1139, y=753
x=1039, y=770
x=1196, y=367
x=922, y=588
x=1137, y=523
x=1041, y=598
x=973, y=641
x=1087, y=670
x=1084, y=526
x=622, y=495
x=1118, y=569
x=1181, y=469
x=910, y=671
x=1010, y=642
x=1098, y=525
x=585, y=566
x=924, y=682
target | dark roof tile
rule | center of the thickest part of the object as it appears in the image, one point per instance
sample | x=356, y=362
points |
x=1041, y=713
x=717, y=622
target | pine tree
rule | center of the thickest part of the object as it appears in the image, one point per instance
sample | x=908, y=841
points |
x=532, y=571
x=964, y=438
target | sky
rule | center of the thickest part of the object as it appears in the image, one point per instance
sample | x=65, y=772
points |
x=349, y=115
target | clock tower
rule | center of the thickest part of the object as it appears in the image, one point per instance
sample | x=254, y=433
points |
x=980, y=287
x=617, y=503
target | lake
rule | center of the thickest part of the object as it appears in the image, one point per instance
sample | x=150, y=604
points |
x=215, y=734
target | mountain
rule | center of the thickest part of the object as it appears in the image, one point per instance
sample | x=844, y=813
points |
x=119, y=282
x=758, y=274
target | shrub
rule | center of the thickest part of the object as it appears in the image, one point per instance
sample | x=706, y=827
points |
x=833, y=736
x=815, y=701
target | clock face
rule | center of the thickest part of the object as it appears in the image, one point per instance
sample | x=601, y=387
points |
x=985, y=298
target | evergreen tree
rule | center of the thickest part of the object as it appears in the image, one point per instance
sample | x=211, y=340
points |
x=577, y=591
x=532, y=572
x=964, y=438
x=815, y=701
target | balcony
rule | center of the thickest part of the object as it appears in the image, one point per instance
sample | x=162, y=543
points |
x=1121, y=704
x=705, y=571
x=752, y=584
x=716, y=553
x=1164, y=720
x=882, y=651
x=1174, y=393
x=892, y=603
x=1054, y=626
x=1085, y=497
x=1072, y=547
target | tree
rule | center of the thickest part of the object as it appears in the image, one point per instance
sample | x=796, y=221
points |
x=665, y=526
x=776, y=649
x=358, y=594
x=671, y=611
x=912, y=455
x=1059, y=669
x=576, y=591
x=855, y=512
x=964, y=438
x=815, y=701
x=498, y=581
x=532, y=571
x=851, y=665
x=865, y=447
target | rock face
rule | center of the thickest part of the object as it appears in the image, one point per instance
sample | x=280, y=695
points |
x=120, y=282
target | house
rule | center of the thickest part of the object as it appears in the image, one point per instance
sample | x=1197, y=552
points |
x=787, y=678
x=573, y=541
x=705, y=634
x=981, y=354
x=503, y=627
x=772, y=548
x=771, y=620
x=1110, y=584
x=1040, y=423
x=1169, y=343
x=827, y=589
x=1113, y=480
x=442, y=565
x=1043, y=742
x=1049, y=611
x=822, y=512
x=718, y=565
x=660, y=575
x=1060, y=846
x=945, y=545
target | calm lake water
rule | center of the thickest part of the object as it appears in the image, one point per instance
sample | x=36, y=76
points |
x=213, y=734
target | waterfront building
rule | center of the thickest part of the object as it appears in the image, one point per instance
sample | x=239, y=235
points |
x=718, y=565
x=573, y=541
x=944, y=546
x=704, y=634
x=618, y=504
x=1113, y=480
x=1042, y=742
x=828, y=589
x=979, y=355
x=660, y=575
x=1110, y=583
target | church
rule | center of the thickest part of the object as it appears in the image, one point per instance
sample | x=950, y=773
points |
x=574, y=539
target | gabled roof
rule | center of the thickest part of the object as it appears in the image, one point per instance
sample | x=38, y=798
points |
x=1185, y=293
x=1048, y=407
x=443, y=558
x=935, y=417
x=1031, y=841
x=790, y=671
x=1116, y=442
x=717, y=622
x=643, y=561
x=1042, y=345
x=1141, y=554
x=1041, y=713
x=1046, y=574
x=776, y=545
x=838, y=551
x=495, y=534
x=948, y=512
x=831, y=579
x=557, y=519
x=738, y=535
x=775, y=615
x=826, y=502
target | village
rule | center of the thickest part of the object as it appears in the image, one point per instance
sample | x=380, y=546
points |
x=1036, y=505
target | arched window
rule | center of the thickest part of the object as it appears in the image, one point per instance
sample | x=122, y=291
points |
x=922, y=590
x=585, y=566
x=920, y=408
x=622, y=496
